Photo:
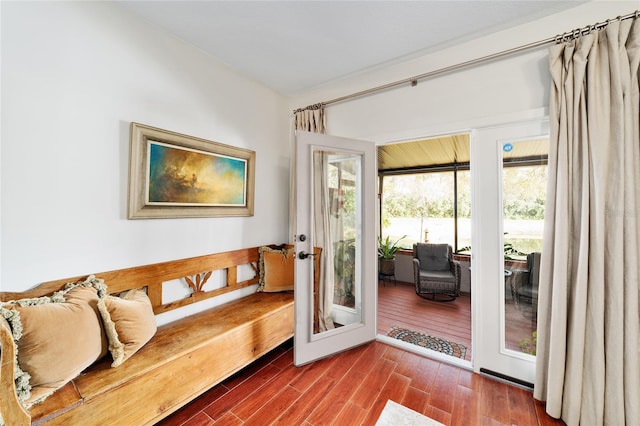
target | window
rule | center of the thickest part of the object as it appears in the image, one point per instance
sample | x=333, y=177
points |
x=423, y=206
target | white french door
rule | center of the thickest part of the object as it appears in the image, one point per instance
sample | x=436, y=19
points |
x=492, y=282
x=335, y=298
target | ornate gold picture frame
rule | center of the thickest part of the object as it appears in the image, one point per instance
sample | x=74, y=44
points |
x=173, y=175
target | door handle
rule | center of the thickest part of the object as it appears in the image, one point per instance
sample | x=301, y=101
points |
x=302, y=255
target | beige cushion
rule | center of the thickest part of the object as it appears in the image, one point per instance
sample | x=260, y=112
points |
x=57, y=337
x=129, y=322
x=276, y=269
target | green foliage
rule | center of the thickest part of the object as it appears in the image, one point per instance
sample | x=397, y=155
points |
x=344, y=266
x=431, y=194
x=528, y=346
x=526, y=245
x=524, y=192
x=388, y=249
x=524, y=209
x=425, y=195
x=509, y=251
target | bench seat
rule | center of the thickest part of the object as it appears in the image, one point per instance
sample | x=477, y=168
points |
x=176, y=365
x=184, y=358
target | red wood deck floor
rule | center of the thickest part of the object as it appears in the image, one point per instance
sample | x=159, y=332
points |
x=399, y=305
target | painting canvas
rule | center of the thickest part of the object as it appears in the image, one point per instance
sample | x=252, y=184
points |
x=181, y=176
x=175, y=175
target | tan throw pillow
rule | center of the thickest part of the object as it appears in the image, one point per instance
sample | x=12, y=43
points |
x=276, y=269
x=56, y=336
x=129, y=322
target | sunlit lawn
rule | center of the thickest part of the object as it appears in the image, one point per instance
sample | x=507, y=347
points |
x=525, y=235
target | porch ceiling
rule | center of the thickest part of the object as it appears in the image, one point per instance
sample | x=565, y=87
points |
x=447, y=151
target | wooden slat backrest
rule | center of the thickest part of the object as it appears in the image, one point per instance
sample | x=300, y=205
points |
x=152, y=276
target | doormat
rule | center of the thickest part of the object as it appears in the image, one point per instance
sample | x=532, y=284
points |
x=429, y=342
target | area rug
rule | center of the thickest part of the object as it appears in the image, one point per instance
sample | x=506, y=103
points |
x=429, y=342
x=395, y=414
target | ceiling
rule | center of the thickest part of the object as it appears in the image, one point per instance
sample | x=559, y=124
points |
x=443, y=153
x=291, y=46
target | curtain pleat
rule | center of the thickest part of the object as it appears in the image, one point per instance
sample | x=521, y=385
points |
x=310, y=119
x=588, y=355
x=323, y=237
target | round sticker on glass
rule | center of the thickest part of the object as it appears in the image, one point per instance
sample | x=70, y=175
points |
x=507, y=147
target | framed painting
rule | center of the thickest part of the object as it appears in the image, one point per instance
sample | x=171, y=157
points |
x=174, y=175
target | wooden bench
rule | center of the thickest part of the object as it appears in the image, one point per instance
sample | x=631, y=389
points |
x=184, y=359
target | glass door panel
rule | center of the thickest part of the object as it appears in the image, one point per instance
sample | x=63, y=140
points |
x=508, y=187
x=344, y=178
x=524, y=185
x=335, y=286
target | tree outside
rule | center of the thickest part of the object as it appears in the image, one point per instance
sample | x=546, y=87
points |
x=413, y=204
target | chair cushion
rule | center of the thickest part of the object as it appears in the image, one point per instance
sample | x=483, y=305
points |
x=442, y=276
x=528, y=292
x=433, y=257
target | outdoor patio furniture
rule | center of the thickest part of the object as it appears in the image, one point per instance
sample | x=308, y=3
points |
x=524, y=286
x=435, y=272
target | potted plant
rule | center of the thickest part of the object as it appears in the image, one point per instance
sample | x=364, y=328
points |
x=387, y=254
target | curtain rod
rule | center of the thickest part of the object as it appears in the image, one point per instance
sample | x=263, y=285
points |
x=414, y=80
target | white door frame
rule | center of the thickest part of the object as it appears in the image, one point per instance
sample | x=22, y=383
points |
x=487, y=259
x=478, y=326
x=307, y=345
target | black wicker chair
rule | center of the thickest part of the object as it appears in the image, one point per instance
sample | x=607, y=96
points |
x=435, y=272
x=524, y=286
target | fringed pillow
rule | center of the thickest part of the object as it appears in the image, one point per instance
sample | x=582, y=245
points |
x=276, y=269
x=129, y=322
x=56, y=337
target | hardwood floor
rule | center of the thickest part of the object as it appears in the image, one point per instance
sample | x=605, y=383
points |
x=351, y=388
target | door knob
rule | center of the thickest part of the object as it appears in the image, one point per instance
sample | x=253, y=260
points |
x=303, y=255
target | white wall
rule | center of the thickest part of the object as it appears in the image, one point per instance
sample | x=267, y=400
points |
x=74, y=75
x=456, y=101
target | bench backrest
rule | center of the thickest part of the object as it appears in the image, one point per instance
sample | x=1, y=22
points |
x=195, y=272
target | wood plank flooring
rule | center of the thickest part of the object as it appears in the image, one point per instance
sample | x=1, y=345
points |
x=399, y=305
x=351, y=388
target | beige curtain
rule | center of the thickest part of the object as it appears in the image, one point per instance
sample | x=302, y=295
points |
x=312, y=119
x=323, y=237
x=588, y=355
